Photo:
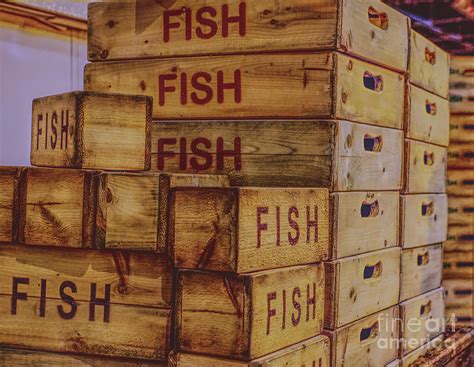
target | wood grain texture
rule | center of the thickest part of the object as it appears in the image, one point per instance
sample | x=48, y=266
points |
x=421, y=270
x=461, y=156
x=361, y=285
x=461, y=211
x=424, y=219
x=366, y=342
x=257, y=86
x=428, y=65
x=459, y=300
x=314, y=351
x=425, y=168
x=9, y=203
x=139, y=29
x=248, y=316
x=422, y=320
x=57, y=207
x=413, y=356
x=460, y=238
x=461, y=84
x=134, y=278
x=31, y=358
x=428, y=117
x=462, y=129
x=88, y=130
x=460, y=183
x=363, y=222
x=458, y=265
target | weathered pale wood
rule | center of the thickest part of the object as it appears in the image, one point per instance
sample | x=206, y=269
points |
x=422, y=320
x=321, y=85
x=57, y=207
x=91, y=130
x=361, y=285
x=366, y=28
x=312, y=352
x=461, y=211
x=458, y=265
x=421, y=270
x=134, y=278
x=460, y=182
x=461, y=156
x=460, y=238
x=459, y=300
x=395, y=363
x=428, y=65
x=411, y=357
x=425, y=167
x=428, y=117
x=30, y=358
x=9, y=203
x=366, y=342
x=248, y=229
x=424, y=219
x=248, y=316
x=363, y=222
x=461, y=84
x=462, y=129
x=282, y=153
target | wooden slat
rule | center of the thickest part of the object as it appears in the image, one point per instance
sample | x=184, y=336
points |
x=460, y=182
x=459, y=300
x=461, y=211
x=411, y=357
x=461, y=84
x=461, y=156
x=462, y=128
x=458, y=265
x=460, y=238
x=9, y=203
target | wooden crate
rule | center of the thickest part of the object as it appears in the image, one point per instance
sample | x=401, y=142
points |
x=248, y=316
x=87, y=302
x=428, y=65
x=428, y=117
x=413, y=356
x=424, y=219
x=248, y=229
x=461, y=156
x=460, y=238
x=462, y=129
x=312, y=352
x=9, y=203
x=460, y=182
x=363, y=222
x=461, y=86
x=458, y=265
x=89, y=209
x=29, y=358
x=339, y=155
x=461, y=211
x=315, y=85
x=366, y=28
x=367, y=342
x=425, y=169
x=361, y=285
x=92, y=130
x=459, y=300
x=421, y=270
x=422, y=320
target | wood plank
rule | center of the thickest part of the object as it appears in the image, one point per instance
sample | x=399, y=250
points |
x=460, y=238
x=424, y=219
x=413, y=356
x=259, y=86
x=361, y=285
x=428, y=65
x=461, y=85
x=460, y=182
x=422, y=320
x=88, y=130
x=459, y=300
x=32, y=358
x=282, y=153
x=249, y=229
x=428, y=117
x=314, y=351
x=148, y=29
x=461, y=211
x=248, y=316
x=9, y=203
x=462, y=128
x=425, y=168
x=421, y=270
x=367, y=342
x=458, y=265
x=461, y=156
x=133, y=278
x=363, y=222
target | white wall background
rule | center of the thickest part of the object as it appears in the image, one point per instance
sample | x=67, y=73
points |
x=32, y=65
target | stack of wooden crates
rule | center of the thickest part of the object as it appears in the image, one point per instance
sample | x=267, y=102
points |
x=267, y=229
x=459, y=250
